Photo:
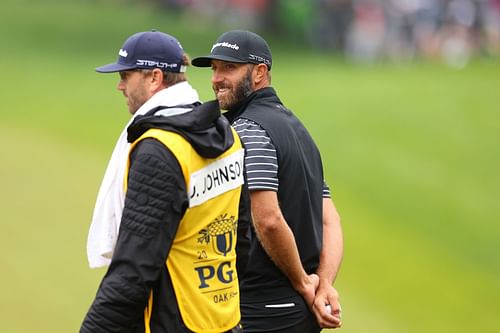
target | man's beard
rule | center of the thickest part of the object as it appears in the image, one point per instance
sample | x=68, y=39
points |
x=136, y=98
x=241, y=91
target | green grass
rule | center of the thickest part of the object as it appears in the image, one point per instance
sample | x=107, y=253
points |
x=409, y=150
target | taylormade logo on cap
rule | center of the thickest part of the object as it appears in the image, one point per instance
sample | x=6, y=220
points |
x=256, y=58
x=158, y=64
x=123, y=53
x=225, y=44
x=239, y=46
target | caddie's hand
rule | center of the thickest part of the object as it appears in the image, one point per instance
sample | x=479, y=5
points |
x=326, y=306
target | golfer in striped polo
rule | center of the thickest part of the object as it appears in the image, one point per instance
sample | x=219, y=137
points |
x=296, y=244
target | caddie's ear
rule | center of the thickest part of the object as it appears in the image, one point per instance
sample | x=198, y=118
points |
x=260, y=77
x=156, y=80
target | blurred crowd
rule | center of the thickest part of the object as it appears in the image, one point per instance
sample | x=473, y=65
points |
x=449, y=30
x=370, y=30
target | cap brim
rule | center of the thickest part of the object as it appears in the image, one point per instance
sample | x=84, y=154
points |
x=114, y=67
x=206, y=61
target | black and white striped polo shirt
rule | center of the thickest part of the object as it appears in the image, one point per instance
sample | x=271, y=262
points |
x=260, y=157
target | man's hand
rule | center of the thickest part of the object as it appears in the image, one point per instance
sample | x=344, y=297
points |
x=308, y=289
x=327, y=300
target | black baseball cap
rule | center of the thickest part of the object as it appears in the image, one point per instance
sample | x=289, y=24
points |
x=239, y=46
x=148, y=50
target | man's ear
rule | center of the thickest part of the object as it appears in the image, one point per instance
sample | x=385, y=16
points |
x=260, y=77
x=156, y=80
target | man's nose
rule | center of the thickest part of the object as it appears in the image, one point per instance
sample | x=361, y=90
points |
x=216, y=76
x=121, y=85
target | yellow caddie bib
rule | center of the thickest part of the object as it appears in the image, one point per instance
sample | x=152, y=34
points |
x=202, y=259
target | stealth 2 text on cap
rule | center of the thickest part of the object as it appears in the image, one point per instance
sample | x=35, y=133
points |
x=237, y=46
x=148, y=50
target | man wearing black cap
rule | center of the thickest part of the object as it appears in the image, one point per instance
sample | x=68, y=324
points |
x=296, y=242
x=173, y=190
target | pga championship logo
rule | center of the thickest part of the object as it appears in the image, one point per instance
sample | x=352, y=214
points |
x=220, y=233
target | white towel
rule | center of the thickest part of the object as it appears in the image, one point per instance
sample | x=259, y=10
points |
x=108, y=209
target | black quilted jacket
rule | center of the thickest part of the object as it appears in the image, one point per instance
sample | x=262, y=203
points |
x=155, y=202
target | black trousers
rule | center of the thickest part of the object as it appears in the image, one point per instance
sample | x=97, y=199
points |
x=284, y=315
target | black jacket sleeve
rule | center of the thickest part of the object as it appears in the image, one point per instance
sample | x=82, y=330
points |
x=155, y=202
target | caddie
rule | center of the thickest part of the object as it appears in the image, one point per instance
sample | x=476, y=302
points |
x=171, y=205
